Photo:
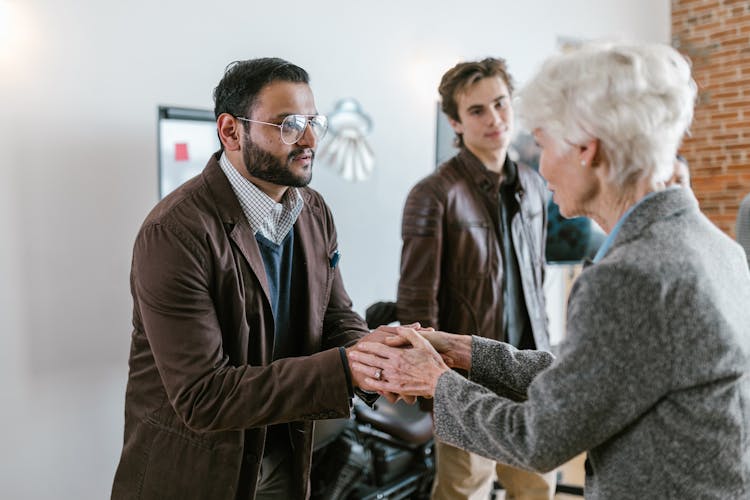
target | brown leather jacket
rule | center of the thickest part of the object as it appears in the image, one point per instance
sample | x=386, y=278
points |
x=202, y=385
x=451, y=261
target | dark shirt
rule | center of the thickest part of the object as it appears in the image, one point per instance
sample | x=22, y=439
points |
x=278, y=259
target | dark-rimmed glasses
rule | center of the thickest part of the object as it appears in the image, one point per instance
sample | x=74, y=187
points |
x=293, y=126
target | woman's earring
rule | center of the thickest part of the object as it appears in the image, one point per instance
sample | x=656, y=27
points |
x=583, y=163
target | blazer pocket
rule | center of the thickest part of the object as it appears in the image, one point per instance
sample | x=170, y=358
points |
x=212, y=469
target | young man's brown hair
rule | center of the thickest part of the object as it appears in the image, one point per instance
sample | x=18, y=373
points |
x=465, y=74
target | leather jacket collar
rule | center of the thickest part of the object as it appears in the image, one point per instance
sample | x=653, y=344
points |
x=486, y=179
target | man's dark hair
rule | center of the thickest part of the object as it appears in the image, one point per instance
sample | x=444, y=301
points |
x=465, y=74
x=238, y=89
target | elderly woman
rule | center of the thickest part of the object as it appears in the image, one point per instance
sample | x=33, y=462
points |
x=653, y=378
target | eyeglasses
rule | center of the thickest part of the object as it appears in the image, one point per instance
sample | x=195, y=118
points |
x=293, y=126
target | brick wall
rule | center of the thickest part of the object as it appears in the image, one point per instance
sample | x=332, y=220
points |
x=715, y=35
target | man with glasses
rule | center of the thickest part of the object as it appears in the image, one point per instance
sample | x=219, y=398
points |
x=472, y=260
x=240, y=313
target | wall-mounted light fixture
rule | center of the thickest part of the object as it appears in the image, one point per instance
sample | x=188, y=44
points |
x=346, y=150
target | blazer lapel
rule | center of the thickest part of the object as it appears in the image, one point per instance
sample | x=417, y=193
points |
x=233, y=217
x=312, y=272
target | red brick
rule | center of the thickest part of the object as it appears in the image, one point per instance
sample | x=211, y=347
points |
x=726, y=94
x=685, y=3
x=710, y=27
x=708, y=148
x=736, y=82
x=707, y=107
x=727, y=33
x=739, y=126
x=726, y=54
x=736, y=188
x=709, y=170
x=719, y=72
x=740, y=41
x=704, y=7
x=715, y=35
x=740, y=20
x=726, y=138
x=692, y=38
x=723, y=116
x=719, y=180
x=725, y=220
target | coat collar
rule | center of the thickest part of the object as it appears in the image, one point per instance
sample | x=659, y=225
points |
x=227, y=203
x=239, y=229
x=659, y=206
x=487, y=180
x=234, y=219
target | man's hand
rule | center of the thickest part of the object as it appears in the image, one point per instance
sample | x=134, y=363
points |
x=359, y=379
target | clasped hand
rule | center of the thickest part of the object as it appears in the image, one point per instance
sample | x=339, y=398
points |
x=401, y=362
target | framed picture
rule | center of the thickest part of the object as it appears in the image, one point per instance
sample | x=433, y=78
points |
x=186, y=139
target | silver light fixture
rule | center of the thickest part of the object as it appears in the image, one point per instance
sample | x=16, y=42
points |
x=346, y=150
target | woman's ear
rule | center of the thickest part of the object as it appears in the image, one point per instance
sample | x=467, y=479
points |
x=230, y=131
x=590, y=153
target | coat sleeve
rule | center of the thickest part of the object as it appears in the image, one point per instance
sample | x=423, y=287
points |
x=505, y=370
x=421, y=256
x=613, y=366
x=172, y=284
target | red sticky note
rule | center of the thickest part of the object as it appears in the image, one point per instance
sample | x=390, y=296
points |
x=181, y=151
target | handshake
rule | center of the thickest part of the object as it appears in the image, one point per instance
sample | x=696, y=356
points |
x=402, y=362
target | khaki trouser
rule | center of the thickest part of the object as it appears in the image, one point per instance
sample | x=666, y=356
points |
x=463, y=475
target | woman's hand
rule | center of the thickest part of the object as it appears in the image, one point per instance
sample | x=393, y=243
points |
x=408, y=366
x=455, y=349
x=358, y=379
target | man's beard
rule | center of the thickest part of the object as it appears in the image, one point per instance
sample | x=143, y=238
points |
x=264, y=166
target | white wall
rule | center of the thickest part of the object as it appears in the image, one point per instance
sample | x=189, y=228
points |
x=80, y=82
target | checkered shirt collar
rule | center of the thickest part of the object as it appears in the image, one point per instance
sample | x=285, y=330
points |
x=273, y=220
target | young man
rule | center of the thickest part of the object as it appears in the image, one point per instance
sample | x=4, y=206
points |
x=239, y=308
x=473, y=254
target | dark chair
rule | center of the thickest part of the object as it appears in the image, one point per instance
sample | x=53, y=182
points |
x=380, y=313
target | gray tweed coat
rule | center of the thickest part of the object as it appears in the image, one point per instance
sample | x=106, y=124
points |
x=653, y=379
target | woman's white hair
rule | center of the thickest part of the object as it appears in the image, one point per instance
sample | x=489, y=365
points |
x=636, y=98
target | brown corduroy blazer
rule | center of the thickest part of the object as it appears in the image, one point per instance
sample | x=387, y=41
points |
x=202, y=386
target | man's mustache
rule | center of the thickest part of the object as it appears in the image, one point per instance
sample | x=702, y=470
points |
x=300, y=152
